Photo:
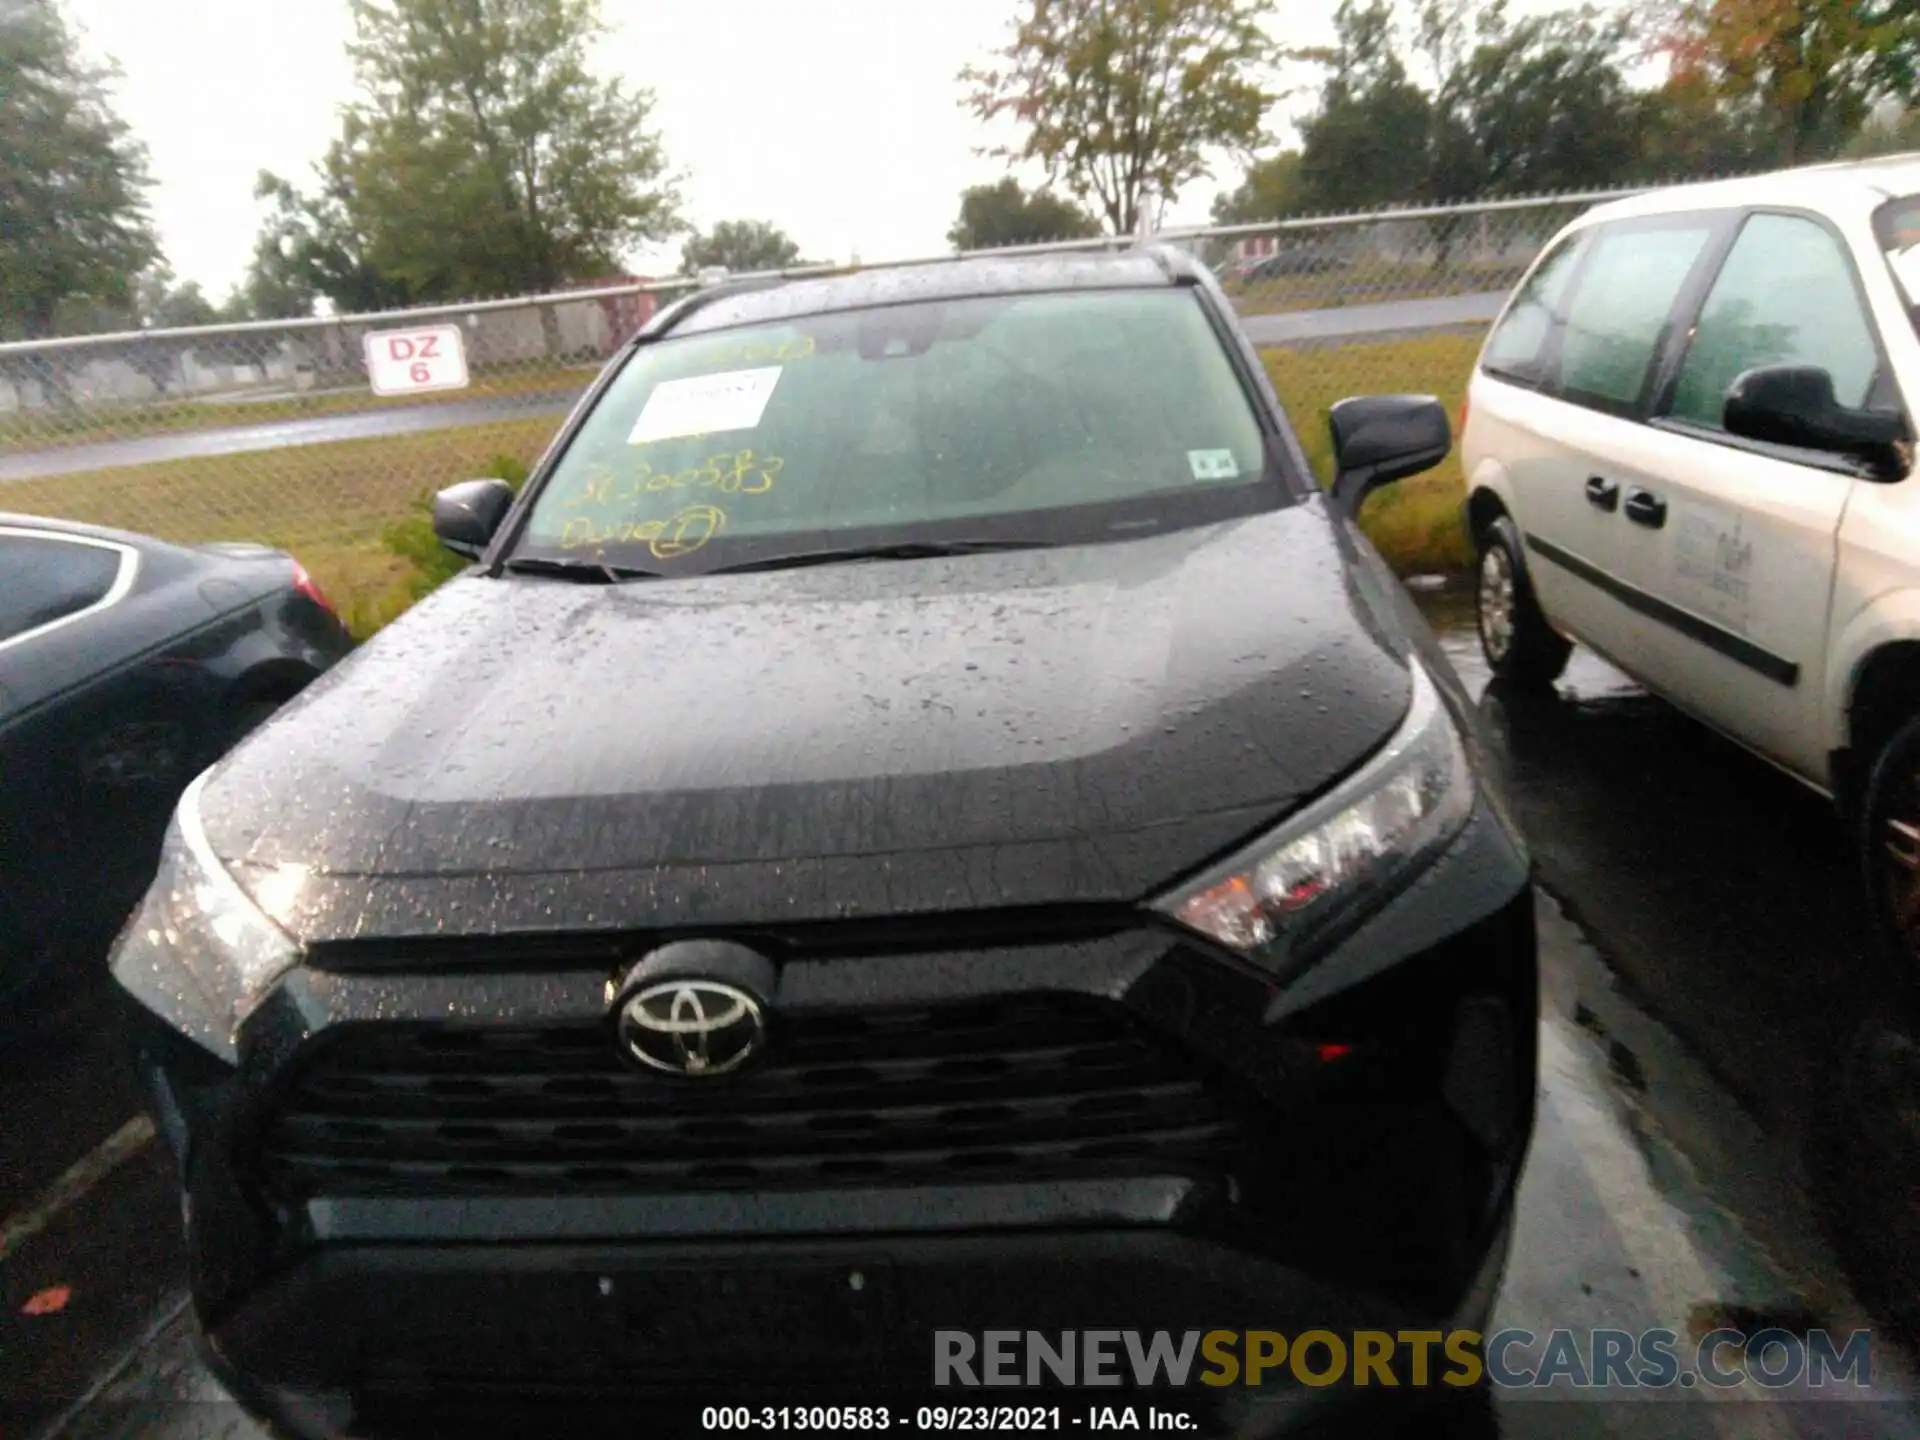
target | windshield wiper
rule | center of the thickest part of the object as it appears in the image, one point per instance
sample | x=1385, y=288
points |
x=899, y=550
x=597, y=571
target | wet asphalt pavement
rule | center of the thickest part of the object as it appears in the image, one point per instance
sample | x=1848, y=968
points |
x=1699, y=1159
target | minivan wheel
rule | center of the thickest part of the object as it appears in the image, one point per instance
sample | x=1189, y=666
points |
x=1888, y=836
x=1520, y=646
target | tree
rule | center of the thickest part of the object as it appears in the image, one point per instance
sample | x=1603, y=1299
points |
x=274, y=287
x=238, y=306
x=741, y=246
x=1120, y=100
x=1892, y=134
x=323, y=243
x=1515, y=106
x=1815, y=67
x=1271, y=189
x=1687, y=131
x=1535, y=105
x=164, y=305
x=482, y=158
x=1367, y=143
x=1004, y=214
x=73, y=180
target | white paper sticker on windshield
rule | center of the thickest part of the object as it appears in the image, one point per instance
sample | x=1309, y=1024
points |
x=705, y=404
x=1213, y=464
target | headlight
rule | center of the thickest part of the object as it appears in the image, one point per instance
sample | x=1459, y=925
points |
x=198, y=952
x=1294, y=888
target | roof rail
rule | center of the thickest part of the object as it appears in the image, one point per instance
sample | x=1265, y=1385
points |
x=702, y=297
x=1167, y=258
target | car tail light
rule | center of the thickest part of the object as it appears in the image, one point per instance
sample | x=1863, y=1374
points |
x=303, y=582
x=1466, y=403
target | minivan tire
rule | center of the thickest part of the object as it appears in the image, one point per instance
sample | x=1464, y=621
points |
x=1520, y=646
x=1888, y=820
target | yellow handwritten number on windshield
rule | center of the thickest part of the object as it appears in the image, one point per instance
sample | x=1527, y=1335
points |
x=740, y=473
x=687, y=531
x=597, y=491
x=762, y=352
x=681, y=533
x=744, y=464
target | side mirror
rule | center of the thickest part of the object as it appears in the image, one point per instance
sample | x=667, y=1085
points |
x=1794, y=405
x=466, y=515
x=1378, y=439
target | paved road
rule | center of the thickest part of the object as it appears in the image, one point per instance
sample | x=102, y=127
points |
x=1381, y=321
x=281, y=434
x=1309, y=327
x=1703, y=971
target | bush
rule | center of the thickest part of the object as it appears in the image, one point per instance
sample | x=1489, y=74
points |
x=413, y=540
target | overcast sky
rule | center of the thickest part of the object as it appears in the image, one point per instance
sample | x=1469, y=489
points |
x=838, y=120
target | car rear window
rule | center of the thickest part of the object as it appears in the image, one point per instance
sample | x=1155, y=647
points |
x=1063, y=415
x=1518, y=349
x=49, y=579
x=1620, y=306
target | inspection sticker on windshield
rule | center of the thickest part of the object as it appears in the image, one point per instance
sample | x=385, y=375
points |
x=705, y=404
x=1213, y=464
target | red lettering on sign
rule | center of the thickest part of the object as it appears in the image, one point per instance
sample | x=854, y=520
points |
x=427, y=342
x=400, y=348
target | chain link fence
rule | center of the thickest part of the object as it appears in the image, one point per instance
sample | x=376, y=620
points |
x=309, y=435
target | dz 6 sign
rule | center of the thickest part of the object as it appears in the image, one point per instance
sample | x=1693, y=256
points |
x=431, y=357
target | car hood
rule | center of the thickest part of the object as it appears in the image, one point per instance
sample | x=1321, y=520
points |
x=865, y=739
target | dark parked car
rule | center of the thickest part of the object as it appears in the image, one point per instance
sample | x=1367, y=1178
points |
x=127, y=665
x=924, y=814
x=1298, y=260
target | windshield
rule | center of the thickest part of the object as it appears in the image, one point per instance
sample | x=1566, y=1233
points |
x=1045, y=418
x=1898, y=226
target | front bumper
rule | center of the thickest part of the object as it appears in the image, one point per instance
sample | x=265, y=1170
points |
x=1339, y=1154
x=596, y=1332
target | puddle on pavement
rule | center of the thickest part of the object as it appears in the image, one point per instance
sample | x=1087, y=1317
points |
x=1704, y=1154
x=1741, y=1186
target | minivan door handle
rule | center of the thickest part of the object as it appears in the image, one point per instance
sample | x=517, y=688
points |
x=1646, y=508
x=1604, y=493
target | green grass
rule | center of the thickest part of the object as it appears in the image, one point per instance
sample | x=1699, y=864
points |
x=173, y=415
x=1415, y=524
x=331, y=505
x=351, y=510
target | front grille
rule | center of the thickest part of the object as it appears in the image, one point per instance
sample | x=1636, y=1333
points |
x=1018, y=1088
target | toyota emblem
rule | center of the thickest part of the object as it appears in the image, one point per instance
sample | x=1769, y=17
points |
x=692, y=1027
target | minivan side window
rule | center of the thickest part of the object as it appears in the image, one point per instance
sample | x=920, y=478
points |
x=1517, y=349
x=1633, y=274
x=49, y=579
x=1784, y=296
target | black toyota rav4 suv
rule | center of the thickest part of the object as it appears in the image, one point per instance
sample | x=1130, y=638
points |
x=921, y=817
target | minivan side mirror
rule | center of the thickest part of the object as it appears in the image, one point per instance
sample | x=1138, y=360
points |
x=1795, y=405
x=466, y=515
x=1378, y=439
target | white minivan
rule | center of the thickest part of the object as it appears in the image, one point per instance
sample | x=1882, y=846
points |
x=1689, y=446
